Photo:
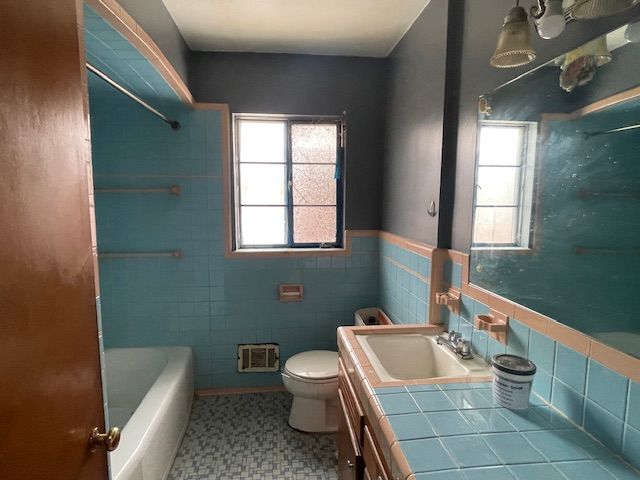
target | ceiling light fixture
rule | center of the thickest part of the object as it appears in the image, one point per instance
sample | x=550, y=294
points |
x=579, y=65
x=548, y=18
x=514, y=42
x=632, y=32
x=586, y=9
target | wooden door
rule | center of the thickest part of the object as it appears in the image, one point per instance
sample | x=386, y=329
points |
x=50, y=394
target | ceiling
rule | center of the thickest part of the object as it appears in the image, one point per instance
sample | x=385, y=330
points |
x=369, y=28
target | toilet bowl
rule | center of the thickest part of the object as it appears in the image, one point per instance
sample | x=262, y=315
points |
x=312, y=378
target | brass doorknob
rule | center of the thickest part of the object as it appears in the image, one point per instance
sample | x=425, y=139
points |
x=109, y=440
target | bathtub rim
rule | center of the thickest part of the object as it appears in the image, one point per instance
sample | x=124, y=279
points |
x=137, y=432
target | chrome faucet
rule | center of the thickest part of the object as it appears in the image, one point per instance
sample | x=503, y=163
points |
x=456, y=344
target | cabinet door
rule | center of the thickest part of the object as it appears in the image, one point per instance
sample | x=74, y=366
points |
x=371, y=456
x=349, y=457
x=354, y=410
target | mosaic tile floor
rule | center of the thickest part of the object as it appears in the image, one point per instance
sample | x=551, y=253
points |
x=235, y=437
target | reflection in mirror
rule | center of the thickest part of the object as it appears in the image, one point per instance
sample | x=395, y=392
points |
x=556, y=224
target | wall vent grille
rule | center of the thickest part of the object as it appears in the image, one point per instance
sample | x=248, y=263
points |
x=258, y=357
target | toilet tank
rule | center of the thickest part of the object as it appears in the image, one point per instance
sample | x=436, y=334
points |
x=371, y=316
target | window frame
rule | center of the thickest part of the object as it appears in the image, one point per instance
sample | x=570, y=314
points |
x=289, y=120
x=526, y=204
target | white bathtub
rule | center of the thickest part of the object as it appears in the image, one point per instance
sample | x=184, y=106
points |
x=149, y=394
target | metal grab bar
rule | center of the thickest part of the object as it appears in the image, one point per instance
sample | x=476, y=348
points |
x=172, y=254
x=172, y=190
x=614, y=130
x=595, y=194
x=173, y=123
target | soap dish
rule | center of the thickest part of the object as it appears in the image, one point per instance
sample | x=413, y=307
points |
x=495, y=324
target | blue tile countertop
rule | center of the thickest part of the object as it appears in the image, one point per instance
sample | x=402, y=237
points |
x=456, y=432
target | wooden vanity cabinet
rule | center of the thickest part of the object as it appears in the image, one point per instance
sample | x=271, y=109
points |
x=372, y=458
x=349, y=454
x=359, y=456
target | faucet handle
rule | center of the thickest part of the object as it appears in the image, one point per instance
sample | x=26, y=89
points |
x=463, y=347
x=454, y=336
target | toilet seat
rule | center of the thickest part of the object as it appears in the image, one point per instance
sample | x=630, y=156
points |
x=315, y=366
x=310, y=381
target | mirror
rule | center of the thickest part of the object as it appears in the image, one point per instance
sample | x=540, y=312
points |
x=557, y=201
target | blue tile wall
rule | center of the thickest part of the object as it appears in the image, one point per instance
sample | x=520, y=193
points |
x=604, y=403
x=631, y=445
x=212, y=303
x=607, y=388
x=481, y=343
x=203, y=300
x=603, y=425
x=107, y=50
x=567, y=400
x=571, y=368
x=542, y=351
x=592, y=396
x=633, y=405
x=404, y=284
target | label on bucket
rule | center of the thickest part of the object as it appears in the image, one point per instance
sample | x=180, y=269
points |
x=514, y=395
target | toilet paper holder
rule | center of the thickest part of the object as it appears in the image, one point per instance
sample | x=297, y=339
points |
x=290, y=292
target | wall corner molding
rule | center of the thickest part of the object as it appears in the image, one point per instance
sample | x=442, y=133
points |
x=120, y=20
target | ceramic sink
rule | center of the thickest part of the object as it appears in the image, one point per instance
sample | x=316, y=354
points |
x=415, y=356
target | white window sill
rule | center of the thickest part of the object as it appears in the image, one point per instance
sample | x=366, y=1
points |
x=287, y=252
x=522, y=250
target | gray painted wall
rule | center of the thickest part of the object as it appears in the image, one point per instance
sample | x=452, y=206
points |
x=154, y=18
x=482, y=23
x=415, y=113
x=310, y=84
x=388, y=186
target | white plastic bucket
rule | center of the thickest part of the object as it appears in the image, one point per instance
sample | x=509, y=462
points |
x=512, y=380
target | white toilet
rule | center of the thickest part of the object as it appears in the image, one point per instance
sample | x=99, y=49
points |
x=312, y=378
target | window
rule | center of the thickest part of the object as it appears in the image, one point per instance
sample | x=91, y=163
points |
x=504, y=184
x=288, y=177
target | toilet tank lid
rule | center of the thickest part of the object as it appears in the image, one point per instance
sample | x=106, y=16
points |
x=315, y=364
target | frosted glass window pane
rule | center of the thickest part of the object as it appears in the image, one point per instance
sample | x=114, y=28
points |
x=314, y=143
x=314, y=224
x=495, y=225
x=262, y=184
x=498, y=186
x=500, y=145
x=263, y=225
x=314, y=185
x=262, y=141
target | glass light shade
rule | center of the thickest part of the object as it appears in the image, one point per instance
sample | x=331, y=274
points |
x=632, y=33
x=551, y=23
x=514, y=43
x=596, y=48
x=585, y=9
